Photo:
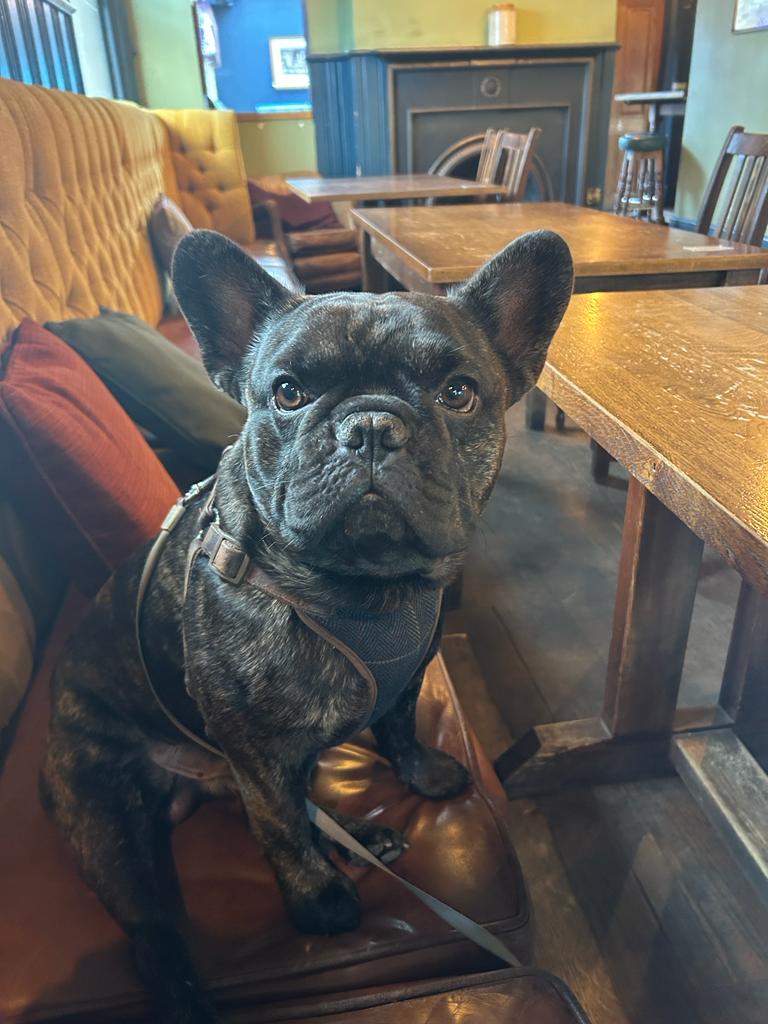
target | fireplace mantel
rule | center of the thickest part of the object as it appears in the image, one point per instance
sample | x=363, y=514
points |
x=394, y=110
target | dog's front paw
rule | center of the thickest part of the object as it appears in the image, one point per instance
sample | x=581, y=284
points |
x=432, y=773
x=332, y=909
x=385, y=843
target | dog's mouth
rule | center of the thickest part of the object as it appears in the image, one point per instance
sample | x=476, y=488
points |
x=374, y=527
x=371, y=535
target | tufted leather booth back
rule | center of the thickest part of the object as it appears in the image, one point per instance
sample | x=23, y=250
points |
x=77, y=180
x=208, y=162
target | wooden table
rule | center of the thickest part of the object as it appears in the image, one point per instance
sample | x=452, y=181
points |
x=429, y=248
x=675, y=386
x=387, y=188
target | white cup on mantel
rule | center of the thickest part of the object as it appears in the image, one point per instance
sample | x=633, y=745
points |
x=502, y=25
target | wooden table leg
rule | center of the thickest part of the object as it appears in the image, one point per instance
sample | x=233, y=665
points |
x=535, y=409
x=744, y=693
x=375, y=277
x=601, y=462
x=658, y=573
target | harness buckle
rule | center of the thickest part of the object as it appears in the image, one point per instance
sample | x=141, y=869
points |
x=236, y=574
x=226, y=556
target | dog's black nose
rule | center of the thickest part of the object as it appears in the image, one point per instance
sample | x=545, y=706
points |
x=360, y=430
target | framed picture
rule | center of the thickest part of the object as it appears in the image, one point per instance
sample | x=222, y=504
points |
x=288, y=57
x=750, y=15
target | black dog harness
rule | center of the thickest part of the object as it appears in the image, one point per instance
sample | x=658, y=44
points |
x=386, y=649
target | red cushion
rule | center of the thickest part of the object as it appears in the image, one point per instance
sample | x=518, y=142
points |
x=78, y=468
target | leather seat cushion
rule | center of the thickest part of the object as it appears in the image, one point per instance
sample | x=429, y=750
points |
x=499, y=997
x=322, y=240
x=63, y=958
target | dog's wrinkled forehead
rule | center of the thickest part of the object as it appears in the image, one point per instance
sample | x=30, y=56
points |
x=367, y=336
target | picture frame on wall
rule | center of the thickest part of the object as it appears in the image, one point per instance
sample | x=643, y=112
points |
x=750, y=15
x=288, y=58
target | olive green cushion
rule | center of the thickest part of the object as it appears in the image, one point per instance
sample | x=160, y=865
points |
x=643, y=143
x=162, y=388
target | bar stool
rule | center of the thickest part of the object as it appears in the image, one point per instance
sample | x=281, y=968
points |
x=640, y=191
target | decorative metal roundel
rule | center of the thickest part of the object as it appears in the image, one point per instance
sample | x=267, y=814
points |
x=490, y=86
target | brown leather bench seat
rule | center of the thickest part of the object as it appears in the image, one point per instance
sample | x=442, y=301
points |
x=523, y=996
x=62, y=958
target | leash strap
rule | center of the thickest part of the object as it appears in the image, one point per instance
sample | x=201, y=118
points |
x=336, y=833
x=460, y=922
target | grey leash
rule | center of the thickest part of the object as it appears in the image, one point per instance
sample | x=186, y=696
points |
x=454, y=918
x=465, y=925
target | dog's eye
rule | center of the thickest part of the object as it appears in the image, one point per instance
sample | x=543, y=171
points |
x=288, y=395
x=459, y=395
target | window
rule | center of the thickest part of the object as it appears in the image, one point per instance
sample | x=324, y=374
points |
x=115, y=25
x=37, y=43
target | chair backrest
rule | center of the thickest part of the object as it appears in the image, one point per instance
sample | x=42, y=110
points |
x=506, y=159
x=744, y=208
x=210, y=172
x=484, y=165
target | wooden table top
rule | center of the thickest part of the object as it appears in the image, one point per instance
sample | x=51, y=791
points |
x=387, y=186
x=445, y=244
x=674, y=384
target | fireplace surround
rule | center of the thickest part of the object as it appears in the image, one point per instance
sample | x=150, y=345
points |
x=398, y=111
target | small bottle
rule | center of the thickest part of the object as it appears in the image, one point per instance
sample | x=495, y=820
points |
x=502, y=25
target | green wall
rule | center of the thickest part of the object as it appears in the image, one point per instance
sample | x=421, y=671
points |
x=278, y=146
x=728, y=84
x=167, y=66
x=369, y=24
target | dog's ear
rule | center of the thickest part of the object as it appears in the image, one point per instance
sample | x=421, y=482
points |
x=519, y=298
x=226, y=298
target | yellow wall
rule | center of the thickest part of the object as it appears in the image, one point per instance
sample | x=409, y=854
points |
x=728, y=84
x=278, y=146
x=370, y=24
x=167, y=67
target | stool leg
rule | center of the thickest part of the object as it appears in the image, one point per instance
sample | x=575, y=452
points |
x=622, y=188
x=659, y=186
x=634, y=183
x=646, y=188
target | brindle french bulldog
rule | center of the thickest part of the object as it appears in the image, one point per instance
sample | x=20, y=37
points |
x=374, y=434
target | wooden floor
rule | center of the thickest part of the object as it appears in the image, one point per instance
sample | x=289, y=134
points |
x=638, y=906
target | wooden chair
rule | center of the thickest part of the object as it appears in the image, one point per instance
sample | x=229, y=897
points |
x=506, y=159
x=744, y=210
